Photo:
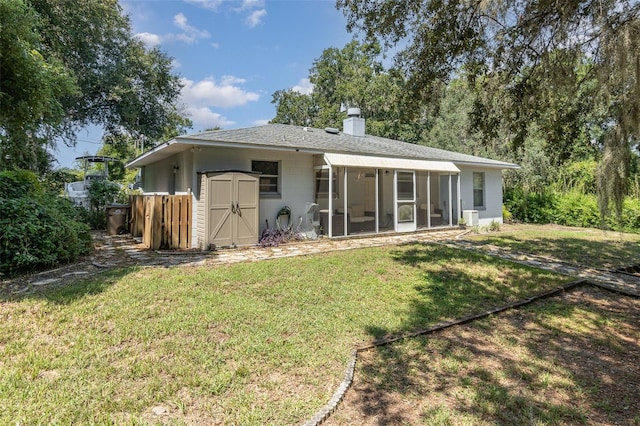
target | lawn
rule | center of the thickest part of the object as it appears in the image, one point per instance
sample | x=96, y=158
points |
x=567, y=360
x=584, y=246
x=570, y=360
x=255, y=343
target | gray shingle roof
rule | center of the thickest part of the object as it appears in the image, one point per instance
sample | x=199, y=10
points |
x=317, y=140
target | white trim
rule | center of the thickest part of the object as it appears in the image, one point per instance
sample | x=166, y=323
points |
x=377, y=209
x=345, y=208
x=348, y=160
x=450, y=202
x=330, y=214
x=487, y=165
x=175, y=146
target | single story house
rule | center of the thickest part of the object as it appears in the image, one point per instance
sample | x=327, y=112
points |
x=333, y=182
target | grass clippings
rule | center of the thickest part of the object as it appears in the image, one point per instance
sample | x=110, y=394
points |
x=562, y=361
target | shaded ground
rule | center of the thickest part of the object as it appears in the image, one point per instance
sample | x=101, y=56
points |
x=584, y=246
x=109, y=252
x=569, y=360
x=563, y=361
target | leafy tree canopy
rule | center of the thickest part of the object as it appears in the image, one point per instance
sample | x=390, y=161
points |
x=569, y=67
x=66, y=64
x=353, y=76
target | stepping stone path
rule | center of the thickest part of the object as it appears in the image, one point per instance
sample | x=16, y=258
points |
x=121, y=251
x=610, y=279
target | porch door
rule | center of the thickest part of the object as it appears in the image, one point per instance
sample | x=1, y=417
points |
x=232, y=209
x=405, y=195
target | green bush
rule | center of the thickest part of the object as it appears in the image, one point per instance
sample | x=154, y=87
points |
x=530, y=207
x=507, y=217
x=37, y=228
x=101, y=193
x=630, y=221
x=576, y=209
x=569, y=208
x=15, y=184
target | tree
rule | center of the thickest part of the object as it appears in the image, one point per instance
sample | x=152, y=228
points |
x=521, y=52
x=125, y=145
x=353, y=76
x=33, y=84
x=295, y=108
x=110, y=78
x=451, y=126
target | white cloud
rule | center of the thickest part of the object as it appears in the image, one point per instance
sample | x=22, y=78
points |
x=207, y=4
x=255, y=18
x=255, y=9
x=191, y=33
x=304, y=86
x=229, y=80
x=204, y=118
x=209, y=92
x=251, y=4
x=215, y=45
x=261, y=122
x=199, y=97
x=149, y=39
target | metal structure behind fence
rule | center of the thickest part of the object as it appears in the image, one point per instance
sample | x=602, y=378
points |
x=163, y=221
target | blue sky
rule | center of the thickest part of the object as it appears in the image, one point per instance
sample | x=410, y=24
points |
x=231, y=54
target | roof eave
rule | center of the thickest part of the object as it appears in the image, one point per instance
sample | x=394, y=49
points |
x=487, y=165
x=149, y=157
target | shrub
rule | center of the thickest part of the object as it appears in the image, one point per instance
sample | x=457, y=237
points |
x=507, y=217
x=493, y=226
x=630, y=220
x=530, y=207
x=37, y=228
x=15, y=184
x=571, y=208
x=577, y=209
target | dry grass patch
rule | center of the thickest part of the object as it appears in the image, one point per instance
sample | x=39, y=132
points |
x=563, y=361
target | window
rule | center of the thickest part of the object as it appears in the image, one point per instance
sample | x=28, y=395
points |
x=405, y=185
x=322, y=183
x=478, y=190
x=405, y=212
x=269, y=178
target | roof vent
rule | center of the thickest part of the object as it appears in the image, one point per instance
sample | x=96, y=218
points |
x=332, y=130
x=353, y=112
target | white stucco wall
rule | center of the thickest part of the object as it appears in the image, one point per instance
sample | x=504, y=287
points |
x=296, y=182
x=296, y=178
x=493, y=193
x=168, y=176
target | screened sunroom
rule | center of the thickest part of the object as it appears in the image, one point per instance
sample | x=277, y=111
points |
x=358, y=194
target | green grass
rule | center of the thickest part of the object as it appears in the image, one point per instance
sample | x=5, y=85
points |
x=589, y=247
x=255, y=343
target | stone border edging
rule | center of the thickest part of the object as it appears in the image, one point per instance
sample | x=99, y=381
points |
x=469, y=318
x=326, y=411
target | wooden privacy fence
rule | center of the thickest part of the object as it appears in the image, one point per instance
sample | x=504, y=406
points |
x=163, y=221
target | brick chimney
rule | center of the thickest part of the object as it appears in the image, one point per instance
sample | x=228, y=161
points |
x=354, y=124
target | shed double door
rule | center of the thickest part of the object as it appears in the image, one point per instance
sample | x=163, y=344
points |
x=232, y=209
